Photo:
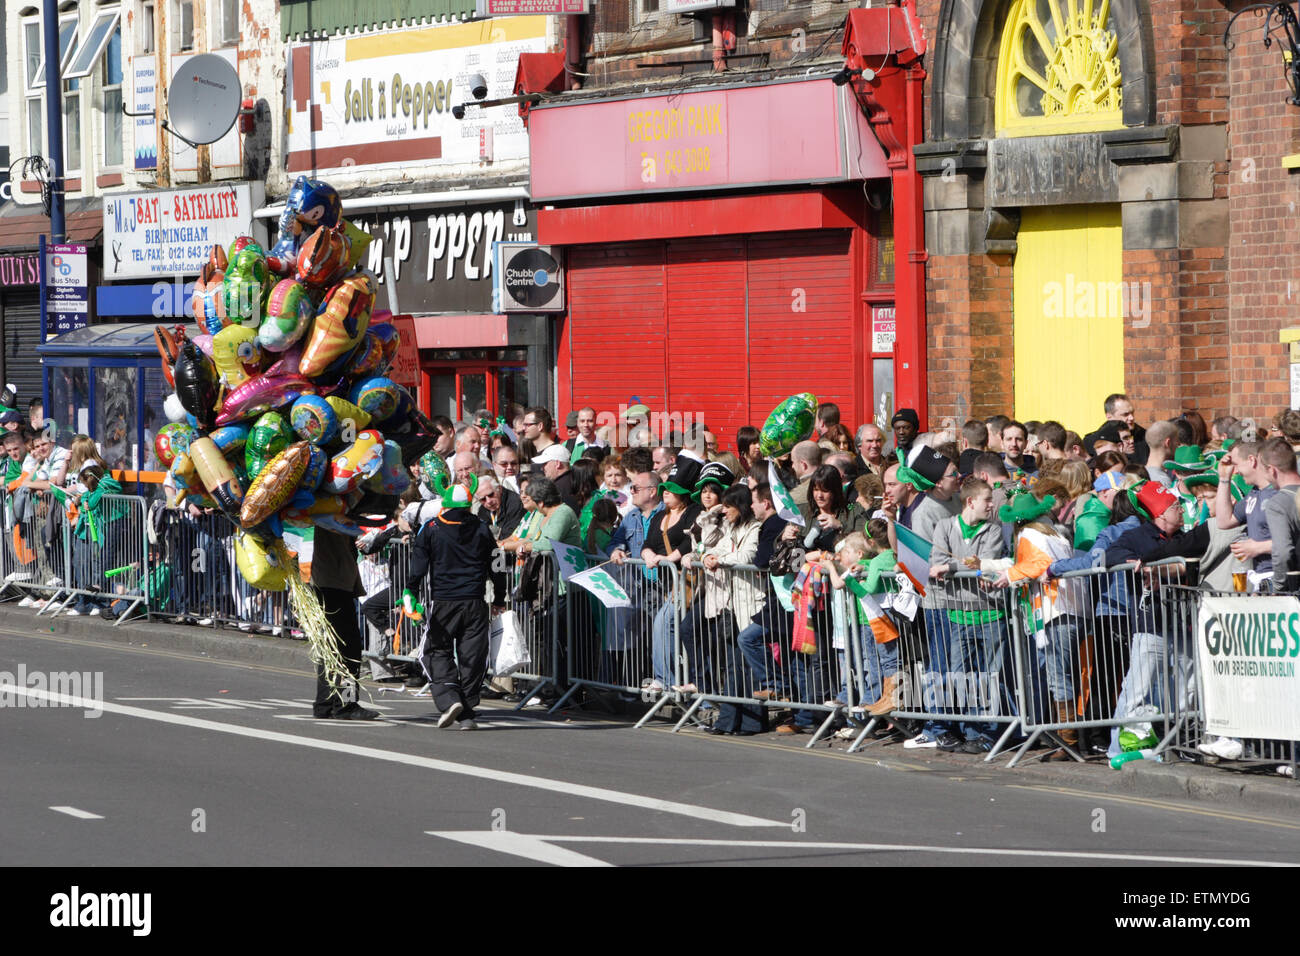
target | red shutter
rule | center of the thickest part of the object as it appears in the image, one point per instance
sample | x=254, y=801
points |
x=706, y=334
x=801, y=321
x=615, y=326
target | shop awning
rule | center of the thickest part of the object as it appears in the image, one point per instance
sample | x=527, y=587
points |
x=461, y=331
x=314, y=17
x=21, y=229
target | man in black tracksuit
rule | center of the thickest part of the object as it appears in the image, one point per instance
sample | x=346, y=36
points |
x=456, y=550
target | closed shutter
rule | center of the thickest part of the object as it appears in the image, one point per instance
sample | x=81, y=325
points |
x=616, y=325
x=22, y=333
x=706, y=333
x=801, y=321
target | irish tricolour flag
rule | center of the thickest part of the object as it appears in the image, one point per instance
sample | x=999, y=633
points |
x=881, y=626
x=913, y=557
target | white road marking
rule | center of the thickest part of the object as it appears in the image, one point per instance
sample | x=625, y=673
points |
x=520, y=844
x=79, y=814
x=413, y=760
x=492, y=840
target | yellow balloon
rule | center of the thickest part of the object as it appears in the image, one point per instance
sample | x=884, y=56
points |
x=259, y=567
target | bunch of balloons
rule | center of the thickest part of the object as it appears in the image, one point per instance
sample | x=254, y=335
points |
x=283, y=416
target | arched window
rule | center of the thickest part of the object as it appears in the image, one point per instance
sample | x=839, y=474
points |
x=1059, y=70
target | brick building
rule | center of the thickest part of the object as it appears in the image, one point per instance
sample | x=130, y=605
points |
x=1152, y=158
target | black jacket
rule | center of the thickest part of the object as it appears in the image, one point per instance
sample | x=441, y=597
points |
x=506, y=520
x=1158, y=613
x=457, y=552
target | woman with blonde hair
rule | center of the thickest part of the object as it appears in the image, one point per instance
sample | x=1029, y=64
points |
x=82, y=450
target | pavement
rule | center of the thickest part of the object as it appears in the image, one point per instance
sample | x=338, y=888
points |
x=209, y=732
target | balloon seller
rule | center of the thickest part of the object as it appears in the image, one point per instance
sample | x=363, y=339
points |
x=283, y=419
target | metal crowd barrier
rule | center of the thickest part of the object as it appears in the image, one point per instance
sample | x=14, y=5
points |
x=1190, y=729
x=539, y=619
x=734, y=646
x=203, y=582
x=36, y=553
x=386, y=572
x=612, y=649
x=957, y=662
x=1102, y=649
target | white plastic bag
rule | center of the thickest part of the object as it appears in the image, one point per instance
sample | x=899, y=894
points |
x=507, y=650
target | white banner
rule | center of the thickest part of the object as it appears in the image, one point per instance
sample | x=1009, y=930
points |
x=1248, y=649
x=600, y=583
x=171, y=232
x=386, y=98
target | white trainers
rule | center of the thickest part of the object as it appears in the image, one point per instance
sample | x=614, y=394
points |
x=54, y=582
x=449, y=716
x=26, y=602
x=1226, y=748
x=72, y=612
x=1286, y=770
x=18, y=576
x=95, y=612
x=921, y=742
x=205, y=622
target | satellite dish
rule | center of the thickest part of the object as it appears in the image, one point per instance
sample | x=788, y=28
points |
x=203, y=99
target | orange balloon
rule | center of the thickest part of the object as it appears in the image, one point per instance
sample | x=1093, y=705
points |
x=340, y=324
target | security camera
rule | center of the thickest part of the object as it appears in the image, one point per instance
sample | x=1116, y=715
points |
x=477, y=85
x=458, y=111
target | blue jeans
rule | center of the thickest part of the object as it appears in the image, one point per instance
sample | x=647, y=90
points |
x=1148, y=675
x=978, y=652
x=664, y=646
x=938, y=632
x=87, y=572
x=753, y=640
x=878, y=662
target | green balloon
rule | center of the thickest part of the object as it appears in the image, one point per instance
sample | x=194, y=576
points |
x=790, y=423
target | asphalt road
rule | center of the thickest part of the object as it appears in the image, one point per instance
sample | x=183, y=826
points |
x=200, y=762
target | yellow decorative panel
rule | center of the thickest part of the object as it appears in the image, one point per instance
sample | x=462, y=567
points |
x=1058, y=70
x=1070, y=303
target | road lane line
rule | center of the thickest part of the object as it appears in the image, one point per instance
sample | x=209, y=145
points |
x=413, y=760
x=520, y=844
x=490, y=839
x=79, y=814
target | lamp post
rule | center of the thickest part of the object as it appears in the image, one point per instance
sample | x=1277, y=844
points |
x=54, y=120
x=1279, y=19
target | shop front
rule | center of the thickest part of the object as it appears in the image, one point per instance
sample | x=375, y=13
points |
x=728, y=246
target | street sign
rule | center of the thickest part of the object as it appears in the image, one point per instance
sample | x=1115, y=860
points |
x=67, y=289
x=521, y=8
x=530, y=278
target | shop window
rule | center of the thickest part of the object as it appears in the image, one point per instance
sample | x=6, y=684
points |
x=884, y=270
x=72, y=126
x=1058, y=69
x=34, y=70
x=644, y=10
x=86, y=56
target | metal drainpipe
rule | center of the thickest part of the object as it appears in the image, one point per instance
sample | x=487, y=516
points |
x=719, y=49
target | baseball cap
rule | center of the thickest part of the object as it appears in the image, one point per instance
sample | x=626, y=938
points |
x=571, y=420
x=553, y=452
x=11, y=418
x=1108, y=481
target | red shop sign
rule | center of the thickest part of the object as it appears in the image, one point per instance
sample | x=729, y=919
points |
x=780, y=133
x=19, y=270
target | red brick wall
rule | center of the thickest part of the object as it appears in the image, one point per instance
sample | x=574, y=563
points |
x=1264, y=294
x=968, y=299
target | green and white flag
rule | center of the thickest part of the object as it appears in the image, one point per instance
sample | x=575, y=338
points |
x=785, y=506
x=602, y=584
x=571, y=560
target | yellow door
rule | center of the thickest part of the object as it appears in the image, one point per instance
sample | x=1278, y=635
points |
x=1069, y=301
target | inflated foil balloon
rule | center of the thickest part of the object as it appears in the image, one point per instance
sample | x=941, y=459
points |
x=403, y=411
x=239, y=245
x=392, y=478
x=358, y=242
x=262, y=394
x=375, y=396
x=314, y=420
x=230, y=439
x=277, y=483
x=204, y=342
x=258, y=566
x=359, y=460
x=289, y=311
x=347, y=412
x=311, y=203
x=236, y=354
x=790, y=423
x=323, y=259
x=169, y=342
x=197, y=385
x=172, y=439
x=317, y=465
x=269, y=436
x=208, y=304
x=340, y=323
x=217, y=476
x=390, y=338
x=245, y=284
x=434, y=469
x=364, y=362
